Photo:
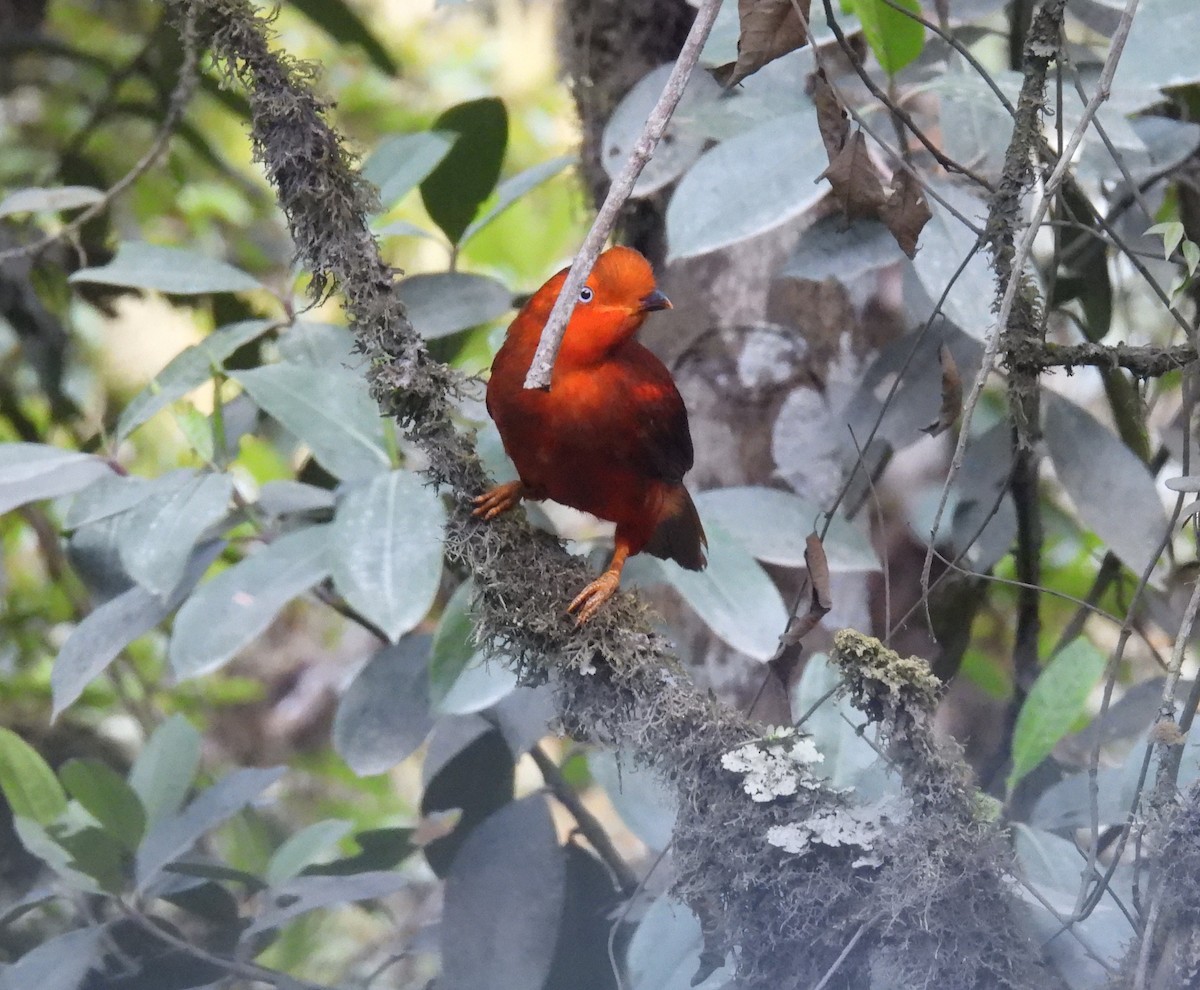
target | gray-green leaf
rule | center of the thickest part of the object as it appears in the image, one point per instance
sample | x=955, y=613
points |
x=734, y=596
x=444, y=303
x=189, y=369
x=30, y=472
x=386, y=551
x=229, y=611
x=180, y=272
x=329, y=409
x=158, y=534
x=748, y=184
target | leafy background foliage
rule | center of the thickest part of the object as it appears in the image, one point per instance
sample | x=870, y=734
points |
x=241, y=685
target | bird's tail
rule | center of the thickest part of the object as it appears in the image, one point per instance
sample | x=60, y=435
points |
x=679, y=536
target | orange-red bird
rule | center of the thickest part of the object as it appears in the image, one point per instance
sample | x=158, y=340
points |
x=611, y=435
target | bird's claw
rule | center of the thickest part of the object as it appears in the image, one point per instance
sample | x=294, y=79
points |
x=496, y=500
x=587, y=603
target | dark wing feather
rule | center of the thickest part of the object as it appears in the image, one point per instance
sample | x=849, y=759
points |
x=661, y=443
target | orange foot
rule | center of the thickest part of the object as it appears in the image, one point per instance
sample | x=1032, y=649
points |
x=587, y=603
x=497, y=500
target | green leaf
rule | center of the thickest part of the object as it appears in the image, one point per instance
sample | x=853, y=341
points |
x=188, y=370
x=98, y=855
x=1055, y=701
x=105, y=795
x=30, y=472
x=197, y=430
x=733, y=595
x=895, y=39
x=27, y=781
x=177, y=271
x=454, y=191
x=512, y=189
x=302, y=848
x=380, y=849
x=342, y=23
x=329, y=409
x=37, y=200
x=448, y=302
x=38, y=841
x=229, y=611
x=163, y=772
x=399, y=164
x=386, y=550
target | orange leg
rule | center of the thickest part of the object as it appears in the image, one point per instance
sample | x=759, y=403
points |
x=497, y=500
x=587, y=603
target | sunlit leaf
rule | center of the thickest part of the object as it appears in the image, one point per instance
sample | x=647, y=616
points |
x=403, y=160
x=106, y=796
x=301, y=848
x=733, y=596
x=163, y=772
x=28, y=783
x=512, y=189
x=37, y=200
x=895, y=40
x=158, y=534
x=105, y=631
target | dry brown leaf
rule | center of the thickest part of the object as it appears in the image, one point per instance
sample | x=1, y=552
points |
x=855, y=180
x=769, y=29
x=832, y=119
x=905, y=212
x=952, y=394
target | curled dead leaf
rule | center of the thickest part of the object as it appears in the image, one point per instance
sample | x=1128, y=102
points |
x=905, y=212
x=855, y=180
x=768, y=29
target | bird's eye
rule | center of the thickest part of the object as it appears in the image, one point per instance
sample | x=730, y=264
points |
x=585, y=294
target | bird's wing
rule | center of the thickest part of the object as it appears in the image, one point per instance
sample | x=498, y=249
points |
x=660, y=443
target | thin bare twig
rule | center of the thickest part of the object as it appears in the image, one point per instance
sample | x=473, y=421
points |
x=542, y=365
x=589, y=825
